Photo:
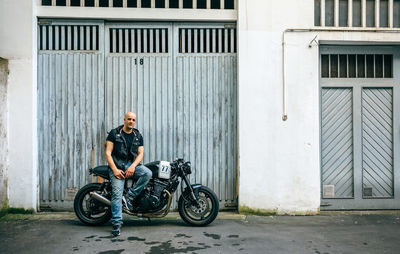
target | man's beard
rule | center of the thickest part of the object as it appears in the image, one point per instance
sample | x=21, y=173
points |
x=127, y=127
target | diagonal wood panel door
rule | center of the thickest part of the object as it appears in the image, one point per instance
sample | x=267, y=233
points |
x=360, y=128
x=377, y=142
x=337, y=140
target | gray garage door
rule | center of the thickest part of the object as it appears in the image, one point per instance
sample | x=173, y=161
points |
x=180, y=79
x=359, y=128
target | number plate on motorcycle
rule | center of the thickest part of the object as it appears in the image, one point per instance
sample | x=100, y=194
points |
x=164, y=170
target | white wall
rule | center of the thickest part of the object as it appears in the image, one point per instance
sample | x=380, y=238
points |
x=278, y=160
x=18, y=45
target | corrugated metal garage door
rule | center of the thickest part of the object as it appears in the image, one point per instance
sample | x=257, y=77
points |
x=359, y=128
x=180, y=79
x=206, y=105
x=71, y=108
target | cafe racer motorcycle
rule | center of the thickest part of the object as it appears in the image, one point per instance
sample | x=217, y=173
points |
x=197, y=205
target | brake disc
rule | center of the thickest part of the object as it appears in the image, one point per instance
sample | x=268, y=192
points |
x=94, y=206
x=202, y=210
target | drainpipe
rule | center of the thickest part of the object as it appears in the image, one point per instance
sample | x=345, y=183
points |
x=284, y=114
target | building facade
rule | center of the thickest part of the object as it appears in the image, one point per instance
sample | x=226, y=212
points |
x=283, y=107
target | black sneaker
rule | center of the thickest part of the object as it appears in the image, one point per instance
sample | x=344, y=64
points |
x=116, y=231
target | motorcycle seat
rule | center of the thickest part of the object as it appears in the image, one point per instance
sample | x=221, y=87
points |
x=102, y=171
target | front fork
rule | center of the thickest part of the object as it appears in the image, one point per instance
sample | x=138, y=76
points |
x=191, y=191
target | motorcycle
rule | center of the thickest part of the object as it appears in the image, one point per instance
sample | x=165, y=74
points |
x=198, y=205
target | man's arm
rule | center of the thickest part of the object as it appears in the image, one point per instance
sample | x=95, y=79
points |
x=117, y=172
x=129, y=172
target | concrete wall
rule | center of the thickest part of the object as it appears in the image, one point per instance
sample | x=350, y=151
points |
x=18, y=45
x=3, y=131
x=278, y=160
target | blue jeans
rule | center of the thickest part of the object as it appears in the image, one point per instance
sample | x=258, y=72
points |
x=143, y=174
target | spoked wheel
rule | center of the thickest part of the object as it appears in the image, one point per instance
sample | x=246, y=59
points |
x=202, y=215
x=89, y=210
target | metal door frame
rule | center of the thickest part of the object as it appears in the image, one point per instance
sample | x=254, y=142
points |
x=357, y=201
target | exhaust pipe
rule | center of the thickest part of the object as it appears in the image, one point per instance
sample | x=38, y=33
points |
x=105, y=201
x=100, y=198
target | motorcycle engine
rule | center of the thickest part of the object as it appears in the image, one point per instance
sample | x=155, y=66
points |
x=152, y=197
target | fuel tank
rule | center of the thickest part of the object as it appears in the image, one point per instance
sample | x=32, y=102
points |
x=160, y=169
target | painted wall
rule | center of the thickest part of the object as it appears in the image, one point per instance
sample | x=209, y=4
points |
x=3, y=131
x=278, y=160
x=18, y=45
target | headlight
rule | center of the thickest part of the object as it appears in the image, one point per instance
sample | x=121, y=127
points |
x=187, y=167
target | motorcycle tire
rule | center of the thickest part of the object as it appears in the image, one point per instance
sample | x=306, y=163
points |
x=208, y=211
x=89, y=210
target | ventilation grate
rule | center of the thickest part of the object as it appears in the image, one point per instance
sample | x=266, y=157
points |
x=178, y=4
x=356, y=66
x=207, y=40
x=67, y=37
x=357, y=13
x=138, y=40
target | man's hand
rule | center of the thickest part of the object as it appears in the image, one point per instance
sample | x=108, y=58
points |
x=119, y=174
x=129, y=172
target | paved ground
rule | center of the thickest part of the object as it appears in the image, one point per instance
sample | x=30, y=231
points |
x=230, y=233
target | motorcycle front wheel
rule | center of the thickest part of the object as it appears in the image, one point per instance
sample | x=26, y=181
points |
x=89, y=210
x=203, y=215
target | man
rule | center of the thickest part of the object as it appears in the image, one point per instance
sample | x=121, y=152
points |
x=124, y=153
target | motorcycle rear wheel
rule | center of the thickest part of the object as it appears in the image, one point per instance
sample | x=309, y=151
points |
x=89, y=210
x=203, y=215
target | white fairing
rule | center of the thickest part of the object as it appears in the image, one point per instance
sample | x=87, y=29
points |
x=164, y=170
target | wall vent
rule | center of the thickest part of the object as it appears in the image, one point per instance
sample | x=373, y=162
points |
x=367, y=192
x=356, y=66
x=169, y=4
x=357, y=13
x=207, y=40
x=328, y=191
x=138, y=40
x=68, y=37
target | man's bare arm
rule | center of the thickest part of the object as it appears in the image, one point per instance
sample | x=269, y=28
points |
x=117, y=172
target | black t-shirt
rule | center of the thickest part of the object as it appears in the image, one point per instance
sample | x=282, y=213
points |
x=129, y=138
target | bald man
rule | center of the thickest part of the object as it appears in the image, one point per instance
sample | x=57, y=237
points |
x=124, y=154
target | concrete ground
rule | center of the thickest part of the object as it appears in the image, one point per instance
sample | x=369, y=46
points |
x=328, y=233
